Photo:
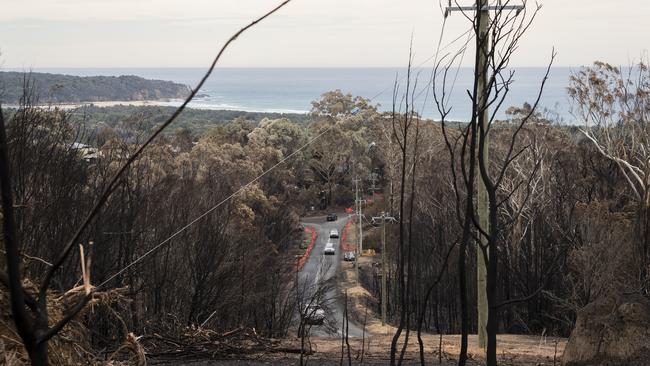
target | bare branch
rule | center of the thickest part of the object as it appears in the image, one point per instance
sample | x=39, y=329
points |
x=111, y=185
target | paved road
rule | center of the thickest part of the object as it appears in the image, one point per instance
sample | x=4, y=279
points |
x=318, y=278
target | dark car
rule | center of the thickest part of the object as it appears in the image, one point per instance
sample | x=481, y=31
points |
x=332, y=217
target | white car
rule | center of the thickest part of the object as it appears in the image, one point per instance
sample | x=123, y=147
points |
x=329, y=249
x=334, y=234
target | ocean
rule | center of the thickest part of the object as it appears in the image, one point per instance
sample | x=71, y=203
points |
x=291, y=90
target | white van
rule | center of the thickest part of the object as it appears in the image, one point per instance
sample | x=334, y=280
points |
x=334, y=234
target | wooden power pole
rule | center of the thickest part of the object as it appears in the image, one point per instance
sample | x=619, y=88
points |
x=482, y=199
x=357, y=210
x=384, y=287
x=482, y=8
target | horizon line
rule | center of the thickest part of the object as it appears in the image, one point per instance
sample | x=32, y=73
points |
x=13, y=68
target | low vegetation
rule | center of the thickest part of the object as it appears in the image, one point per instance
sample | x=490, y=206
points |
x=132, y=122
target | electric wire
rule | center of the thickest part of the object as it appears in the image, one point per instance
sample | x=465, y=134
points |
x=147, y=253
x=232, y=195
x=435, y=55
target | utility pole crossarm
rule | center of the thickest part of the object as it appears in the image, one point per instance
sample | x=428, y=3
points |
x=517, y=8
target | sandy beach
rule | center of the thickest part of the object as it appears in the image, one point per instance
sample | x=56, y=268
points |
x=109, y=103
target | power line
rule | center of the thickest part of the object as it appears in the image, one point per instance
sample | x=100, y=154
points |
x=215, y=207
x=464, y=48
x=435, y=55
x=197, y=219
x=435, y=61
x=462, y=56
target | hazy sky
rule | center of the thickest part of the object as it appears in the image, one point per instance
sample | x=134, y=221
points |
x=306, y=33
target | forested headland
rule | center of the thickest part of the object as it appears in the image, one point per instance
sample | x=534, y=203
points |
x=58, y=88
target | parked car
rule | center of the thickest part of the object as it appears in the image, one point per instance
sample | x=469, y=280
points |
x=332, y=217
x=314, y=314
x=329, y=249
x=334, y=234
x=349, y=257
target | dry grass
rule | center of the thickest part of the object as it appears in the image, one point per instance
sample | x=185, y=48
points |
x=514, y=350
x=71, y=346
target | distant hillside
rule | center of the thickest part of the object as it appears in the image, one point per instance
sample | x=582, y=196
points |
x=57, y=88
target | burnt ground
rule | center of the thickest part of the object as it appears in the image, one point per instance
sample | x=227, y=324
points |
x=514, y=350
